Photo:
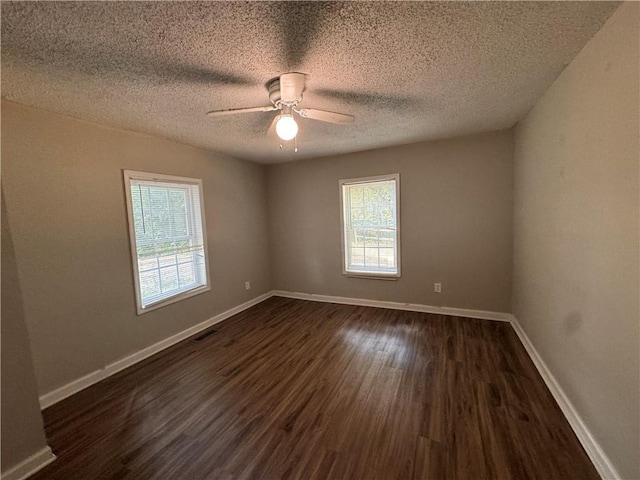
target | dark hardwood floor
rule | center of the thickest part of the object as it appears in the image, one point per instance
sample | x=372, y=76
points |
x=303, y=390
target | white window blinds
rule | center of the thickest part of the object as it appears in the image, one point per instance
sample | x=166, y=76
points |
x=166, y=220
x=371, y=226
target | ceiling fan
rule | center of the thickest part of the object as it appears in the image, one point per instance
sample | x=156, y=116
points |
x=285, y=93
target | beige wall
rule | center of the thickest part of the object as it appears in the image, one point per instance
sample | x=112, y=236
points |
x=456, y=210
x=576, y=289
x=65, y=197
x=22, y=429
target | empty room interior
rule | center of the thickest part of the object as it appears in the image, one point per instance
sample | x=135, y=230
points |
x=320, y=240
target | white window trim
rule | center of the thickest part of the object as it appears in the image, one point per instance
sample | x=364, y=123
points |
x=343, y=240
x=134, y=175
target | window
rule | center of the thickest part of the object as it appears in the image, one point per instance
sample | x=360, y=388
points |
x=168, y=242
x=371, y=226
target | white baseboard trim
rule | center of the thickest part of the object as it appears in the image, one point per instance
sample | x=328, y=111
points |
x=29, y=465
x=600, y=460
x=412, y=307
x=50, y=398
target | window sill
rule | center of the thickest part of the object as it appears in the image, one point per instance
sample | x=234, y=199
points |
x=174, y=299
x=372, y=276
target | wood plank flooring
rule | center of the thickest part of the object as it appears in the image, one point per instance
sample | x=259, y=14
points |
x=292, y=389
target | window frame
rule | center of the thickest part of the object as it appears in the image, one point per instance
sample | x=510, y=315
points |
x=343, y=231
x=128, y=176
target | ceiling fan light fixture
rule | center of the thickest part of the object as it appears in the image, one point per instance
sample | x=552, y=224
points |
x=286, y=127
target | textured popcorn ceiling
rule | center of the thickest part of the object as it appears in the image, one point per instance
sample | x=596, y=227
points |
x=408, y=71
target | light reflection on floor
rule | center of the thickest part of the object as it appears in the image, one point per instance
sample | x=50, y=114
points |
x=376, y=343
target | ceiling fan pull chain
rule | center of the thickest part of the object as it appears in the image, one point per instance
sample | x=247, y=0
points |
x=295, y=144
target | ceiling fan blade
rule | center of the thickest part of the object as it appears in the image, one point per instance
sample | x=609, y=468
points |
x=325, y=116
x=291, y=87
x=233, y=111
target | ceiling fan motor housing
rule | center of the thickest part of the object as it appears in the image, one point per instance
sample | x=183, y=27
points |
x=286, y=89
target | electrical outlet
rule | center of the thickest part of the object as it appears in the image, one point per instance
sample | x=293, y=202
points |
x=437, y=287
x=247, y=285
